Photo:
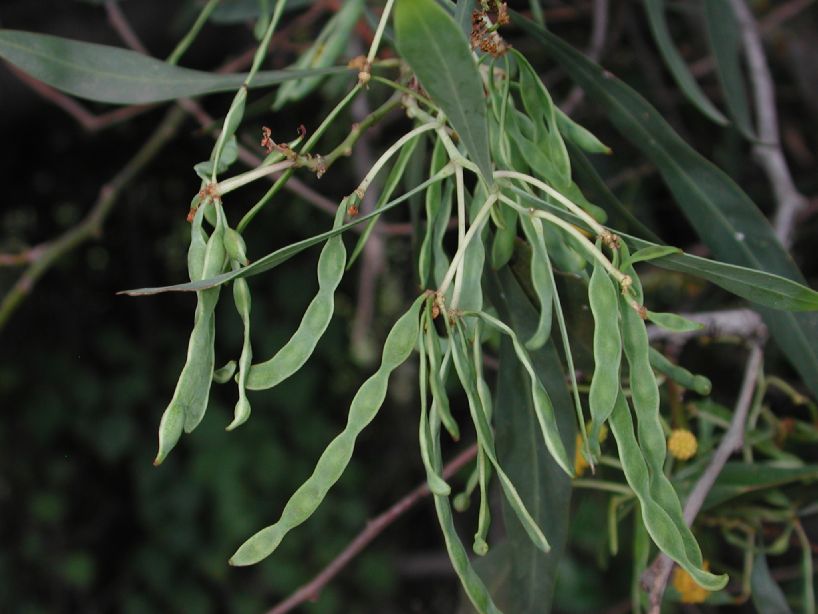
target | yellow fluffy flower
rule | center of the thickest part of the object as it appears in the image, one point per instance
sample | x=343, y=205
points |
x=580, y=463
x=689, y=590
x=682, y=444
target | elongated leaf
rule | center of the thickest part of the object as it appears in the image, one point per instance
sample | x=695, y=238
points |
x=739, y=479
x=438, y=51
x=543, y=486
x=658, y=26
x=272, y=260
x=721, y=213
x=120, y=76
x=725, y=41
x=462, y=15
x=766, y=594
x=757, y=286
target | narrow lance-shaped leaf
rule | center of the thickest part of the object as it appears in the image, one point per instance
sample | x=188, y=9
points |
x=435, y=47
x=542, y=484
x=272, y=260
x=120, y=76
x=673, y=60
x=760, y=287
x=725, y=42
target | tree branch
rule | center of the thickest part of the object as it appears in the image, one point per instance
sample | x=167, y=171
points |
x=91, y=226
x=768, y=151
x=599, y=30
x=311, y=590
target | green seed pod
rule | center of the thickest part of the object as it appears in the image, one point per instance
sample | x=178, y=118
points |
x=579, y=135
x=603, y=297
x=365, y=405
x=241, y=298
x=234, y=246
x=224, y=374
x=698, y=383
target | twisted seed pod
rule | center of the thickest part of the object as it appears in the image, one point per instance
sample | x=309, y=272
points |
x=602, y=295
x=292, y=356
x=665, y=532
x=241, y=297
x=333, y=461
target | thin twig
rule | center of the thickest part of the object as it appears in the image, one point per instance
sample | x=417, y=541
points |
x=89, y=121
x=599, y=29
x=372, y=258
x=311, y=590
x=123, y=27
x=657, y=574
x=768, y=151
x=91, y=226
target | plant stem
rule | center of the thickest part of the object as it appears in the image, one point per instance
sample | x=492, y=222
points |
x=358, y=130
x=475, y=227
x=191, y=35
x=602, y=485
x=391, y=151
x=570, y=229
x=49, y=253
x=461, y=233
x=570, y=205
x=376, y=41
x=228, y=185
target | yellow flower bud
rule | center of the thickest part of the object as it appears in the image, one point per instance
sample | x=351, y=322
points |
x=689, y=590
x=682, y=444
x=580, y=463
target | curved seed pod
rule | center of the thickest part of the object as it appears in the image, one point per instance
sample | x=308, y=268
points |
x=674, y=322
x=543, y=407
x=480, y=546
x=235, y=246
x=436, y=381
x=224, y=374
x=292, y=356
x=645, y=396
x=198, y=245
x=241, y=297
x=437, y=485
x=540, y=281
x=436, y=207
x=539, y=106
x=579, y=135
x=503, y=245
x=368, y=400
x=485, y=438
x=231, y=123
x=562, y=252
x=666, y=534
x=328, y=45
x=189, y=401
x=603, y=297
x=698, y=383
x=170, y=430
x=475, y=589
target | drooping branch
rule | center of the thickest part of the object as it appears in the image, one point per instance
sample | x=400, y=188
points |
x=789, y=202
x=47, y=254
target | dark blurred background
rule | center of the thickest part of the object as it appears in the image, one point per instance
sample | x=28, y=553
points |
x=87, y=524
